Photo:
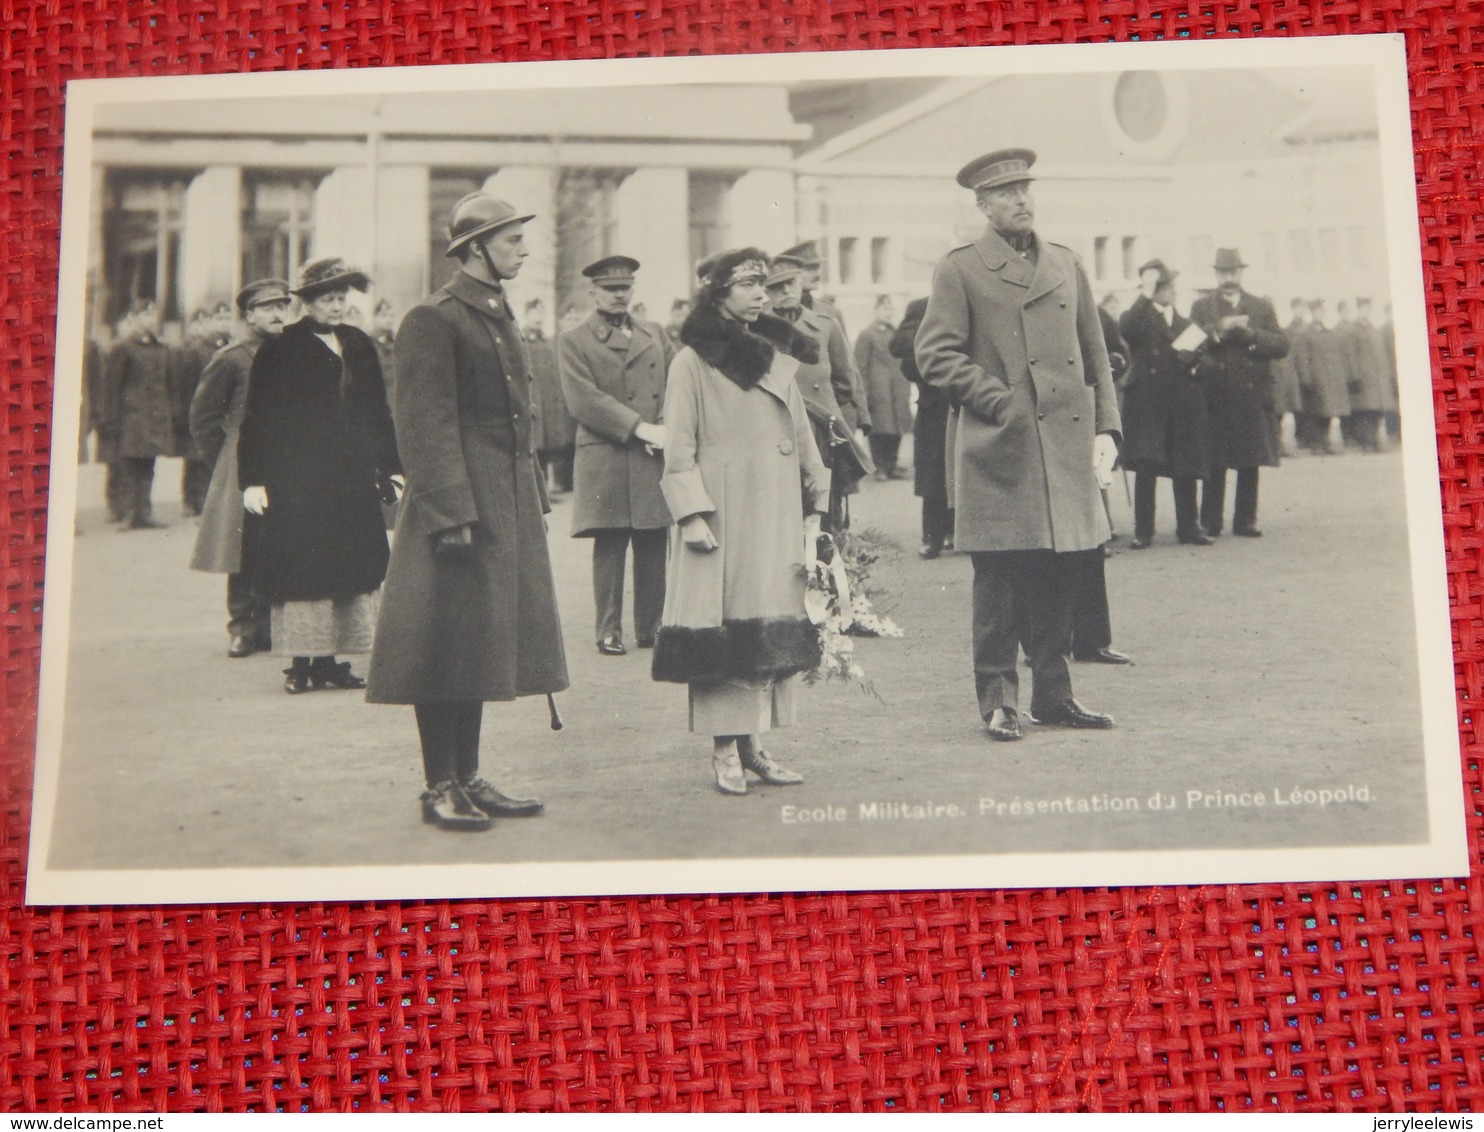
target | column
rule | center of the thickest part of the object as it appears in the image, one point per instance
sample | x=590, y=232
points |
x=211, y=239
x=532, y=188
x=761, y=210
x=653, y=214
x=400, y=270
x=343, y=218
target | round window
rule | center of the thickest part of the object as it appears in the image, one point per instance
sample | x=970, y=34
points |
x=1141, y=105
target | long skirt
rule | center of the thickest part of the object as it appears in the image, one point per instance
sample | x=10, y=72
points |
x=324, y=627
x=741, y=707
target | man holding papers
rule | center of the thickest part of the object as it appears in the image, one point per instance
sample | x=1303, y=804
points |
x=1244, y=341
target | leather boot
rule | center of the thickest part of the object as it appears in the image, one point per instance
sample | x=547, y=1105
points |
x=448, y=807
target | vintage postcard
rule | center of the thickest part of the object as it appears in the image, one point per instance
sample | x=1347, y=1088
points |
x=438, y=453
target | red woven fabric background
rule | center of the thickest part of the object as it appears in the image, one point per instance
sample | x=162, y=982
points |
x=1261, y=997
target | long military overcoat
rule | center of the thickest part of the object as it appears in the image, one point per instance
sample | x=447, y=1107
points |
x=1295, y=373
x=558, y=430
x=888, y=393
x=1165, y=425
x=614, y=381
x=137, y=417
x=831, y=383
x=482, y=626
x=1331, y=388
x=216, y=416
x=1019, y=347
x=1367, y=371
x=1240, y=392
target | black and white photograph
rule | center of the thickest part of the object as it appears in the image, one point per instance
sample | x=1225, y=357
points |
x=925, y=469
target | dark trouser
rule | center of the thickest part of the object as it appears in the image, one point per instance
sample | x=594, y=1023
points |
x=195, y=478
x=937, y=522
x=248, y=612
x=1145, y=484
x=1024, y=599
x=558, y=463
x=884, y=448
x=1361, y=428
x=610, y=549
x=1213, y=500
x=116, y=491
x=138, y=476
x=1311, y=431
x=1092, y=627
x=450, y=739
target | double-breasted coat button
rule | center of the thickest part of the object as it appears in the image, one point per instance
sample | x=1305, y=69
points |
x=1040, y=416
x=1063, y=302
x=786, y=447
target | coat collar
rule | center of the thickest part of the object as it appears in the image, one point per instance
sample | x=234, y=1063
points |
x=481, y=296
x=744, y=354
x=638, y=340
x=1043, y=276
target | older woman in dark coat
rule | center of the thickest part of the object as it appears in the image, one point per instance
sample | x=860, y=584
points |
x=315, y=456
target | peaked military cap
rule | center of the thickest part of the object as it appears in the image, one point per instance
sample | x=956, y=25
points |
x=261, y=291
x=806, y=253
x=783, y=268
x=613, y=270
x=1002, y=167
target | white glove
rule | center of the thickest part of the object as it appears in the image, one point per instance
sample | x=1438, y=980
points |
x=695, y=532
x=255, y=499
x=652, y=435
x=811, y=540
x=1104, y=456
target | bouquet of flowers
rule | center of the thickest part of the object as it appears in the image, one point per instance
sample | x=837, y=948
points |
x=839, y=599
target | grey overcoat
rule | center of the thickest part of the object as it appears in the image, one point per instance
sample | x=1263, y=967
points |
x=216, y=416
x=888, y=393
x=612, y=382
x=1019, y=347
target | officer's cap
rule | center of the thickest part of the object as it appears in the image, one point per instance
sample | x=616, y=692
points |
x=783, y=268
x=807, y=254
x=261, y=291
x=1002, y=167
x=614, y=271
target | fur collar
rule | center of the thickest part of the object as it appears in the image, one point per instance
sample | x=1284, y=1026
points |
x=742, y=353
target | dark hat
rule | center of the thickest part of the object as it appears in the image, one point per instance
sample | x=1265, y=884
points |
x=734, y=265
x=612, y=271
x=475, y=214
x=1228, y=259
x=261, y=291
x=1002, y=167
x=329, y=274
x=783, y=268
x=704, y=266
x=807, y=254
x=1166, y=275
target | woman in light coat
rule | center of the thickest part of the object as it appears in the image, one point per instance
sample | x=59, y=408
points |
x=746, y=486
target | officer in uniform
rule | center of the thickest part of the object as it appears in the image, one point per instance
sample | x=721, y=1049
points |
x=613, y=368
x=1012, y=336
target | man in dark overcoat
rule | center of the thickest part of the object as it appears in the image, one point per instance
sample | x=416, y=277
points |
x=1166, y=431
x=556, y=440
x=929, y=439
x=1300, y=362
x=1243, y=338
x=224, y=540
x=613, y=370
x=209, y=332
x=468, y=612
x=137, y=417
x=1369, y=378
x=831, y=388
x=1012, y=336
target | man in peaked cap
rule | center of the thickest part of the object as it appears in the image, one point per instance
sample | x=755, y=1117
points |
x=1243, y=339
x=613, y=369
x=808, y=257
x=468, y=612
x=224, y=543
x=1012, y=336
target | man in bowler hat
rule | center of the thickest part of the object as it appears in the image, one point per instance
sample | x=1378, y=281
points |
x=613, y=368
x=1012, y=336
x=1243, y=339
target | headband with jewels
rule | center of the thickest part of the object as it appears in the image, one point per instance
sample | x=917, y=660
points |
x=749, y=270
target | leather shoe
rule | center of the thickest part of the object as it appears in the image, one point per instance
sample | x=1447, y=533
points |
x=645, y=642
x=1140, y=542
x=729, y=776
x=1004, y=725
x=1069, y=713
x=241, y=646
x=1197, y=538
x=448, y=807
x=612, y=646
x=929, y=551
x=496, y=803
x=335, y=675
x=295, y=680
x=1247, y=532
x=1103, y=656
x=146, y=525
x=762, y=765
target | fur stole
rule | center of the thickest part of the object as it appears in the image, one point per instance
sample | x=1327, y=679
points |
x=742, y=352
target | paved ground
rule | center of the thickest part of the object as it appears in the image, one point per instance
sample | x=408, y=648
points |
x=1264, y=666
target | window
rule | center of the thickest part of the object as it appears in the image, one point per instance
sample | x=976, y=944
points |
x=587, y=224
x=709, y=193
x=1140, y=104
x=277, y=224
x=1130, y=255
x=848, y=272
x=143, y=215
x=880, y=259
x=1100, y=258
